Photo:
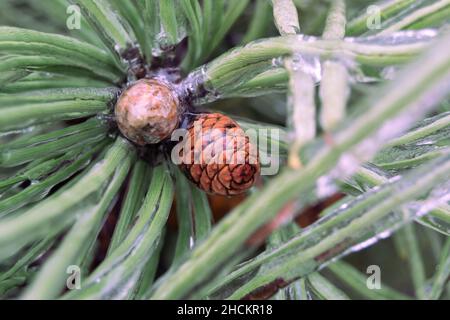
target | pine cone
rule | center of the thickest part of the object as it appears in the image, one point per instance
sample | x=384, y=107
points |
x=147, y=112
x=218, y=157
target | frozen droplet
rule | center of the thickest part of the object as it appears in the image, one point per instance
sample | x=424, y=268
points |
x=308, y=64
x=278, y=62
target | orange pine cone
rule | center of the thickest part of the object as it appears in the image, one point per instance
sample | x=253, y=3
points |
x=218, y=157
